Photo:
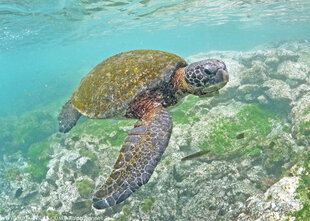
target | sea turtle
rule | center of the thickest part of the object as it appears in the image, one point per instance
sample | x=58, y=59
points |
x=138, y=84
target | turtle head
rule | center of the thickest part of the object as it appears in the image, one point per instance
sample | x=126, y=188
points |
x=205, y=77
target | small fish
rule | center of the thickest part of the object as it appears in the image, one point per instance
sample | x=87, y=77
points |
x=290, y=82
x=18, y=192
x=195, y=155
x=248, y=97
x=241, y=135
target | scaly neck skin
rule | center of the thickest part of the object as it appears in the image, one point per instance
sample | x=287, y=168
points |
x=179, y=85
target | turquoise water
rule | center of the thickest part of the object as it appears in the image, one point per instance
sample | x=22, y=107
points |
x=46, y=47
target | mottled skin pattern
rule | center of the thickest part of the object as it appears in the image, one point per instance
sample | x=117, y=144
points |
x=204, y=77
x=200, y=76
x=139, y=84
x=69, y=115
x=138, y=157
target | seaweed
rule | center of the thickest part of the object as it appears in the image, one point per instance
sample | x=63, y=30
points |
x=12, y=174
x=111, y=132
x=38, y=159
x=255, y=121
x=305, y=128
x=17, y=134
x=181, y=114
x=147, y=204
x=84, y=187
x=52, y=215
x=85, y=152
x=303, y=191
x=124, y=215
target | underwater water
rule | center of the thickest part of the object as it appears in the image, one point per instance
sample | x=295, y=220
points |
x=250, y=142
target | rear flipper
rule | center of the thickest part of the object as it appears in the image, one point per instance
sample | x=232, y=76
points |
x=68, y=117
x=137, y=159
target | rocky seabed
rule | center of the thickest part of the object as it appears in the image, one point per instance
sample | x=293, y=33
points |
x=255, y=178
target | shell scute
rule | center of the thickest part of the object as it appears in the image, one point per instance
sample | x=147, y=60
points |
x=107, y=89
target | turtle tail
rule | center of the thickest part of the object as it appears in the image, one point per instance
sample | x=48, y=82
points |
x=68, y=117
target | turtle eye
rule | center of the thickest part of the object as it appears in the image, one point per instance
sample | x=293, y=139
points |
x=207, y=72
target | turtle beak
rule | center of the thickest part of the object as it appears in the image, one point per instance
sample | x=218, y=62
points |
x=221, y=79
x=225, y=75
x=222, y=76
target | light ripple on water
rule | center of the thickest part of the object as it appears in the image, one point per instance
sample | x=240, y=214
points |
x=29, y=21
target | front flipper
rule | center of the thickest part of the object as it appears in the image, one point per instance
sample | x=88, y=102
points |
x=137, y=159
x=68, y=117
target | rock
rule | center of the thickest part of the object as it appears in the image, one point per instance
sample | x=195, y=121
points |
x=81, y=208
x=256, y=74
x=81, y=162
x=52, y=174
x=87, y=167
x=262, y=99
x=249, y=92
x=301, y=120
x=44, y=188
x=279, y=202
x=57, y=204
x=249, y=88
x=84, y=187
x=272, y=61
x=278, y=91
x=218, y=192
x=271, y=57
x=29, y=195
x=285, y=54
x=289, y=70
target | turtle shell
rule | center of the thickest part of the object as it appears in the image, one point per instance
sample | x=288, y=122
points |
x=107, y=90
